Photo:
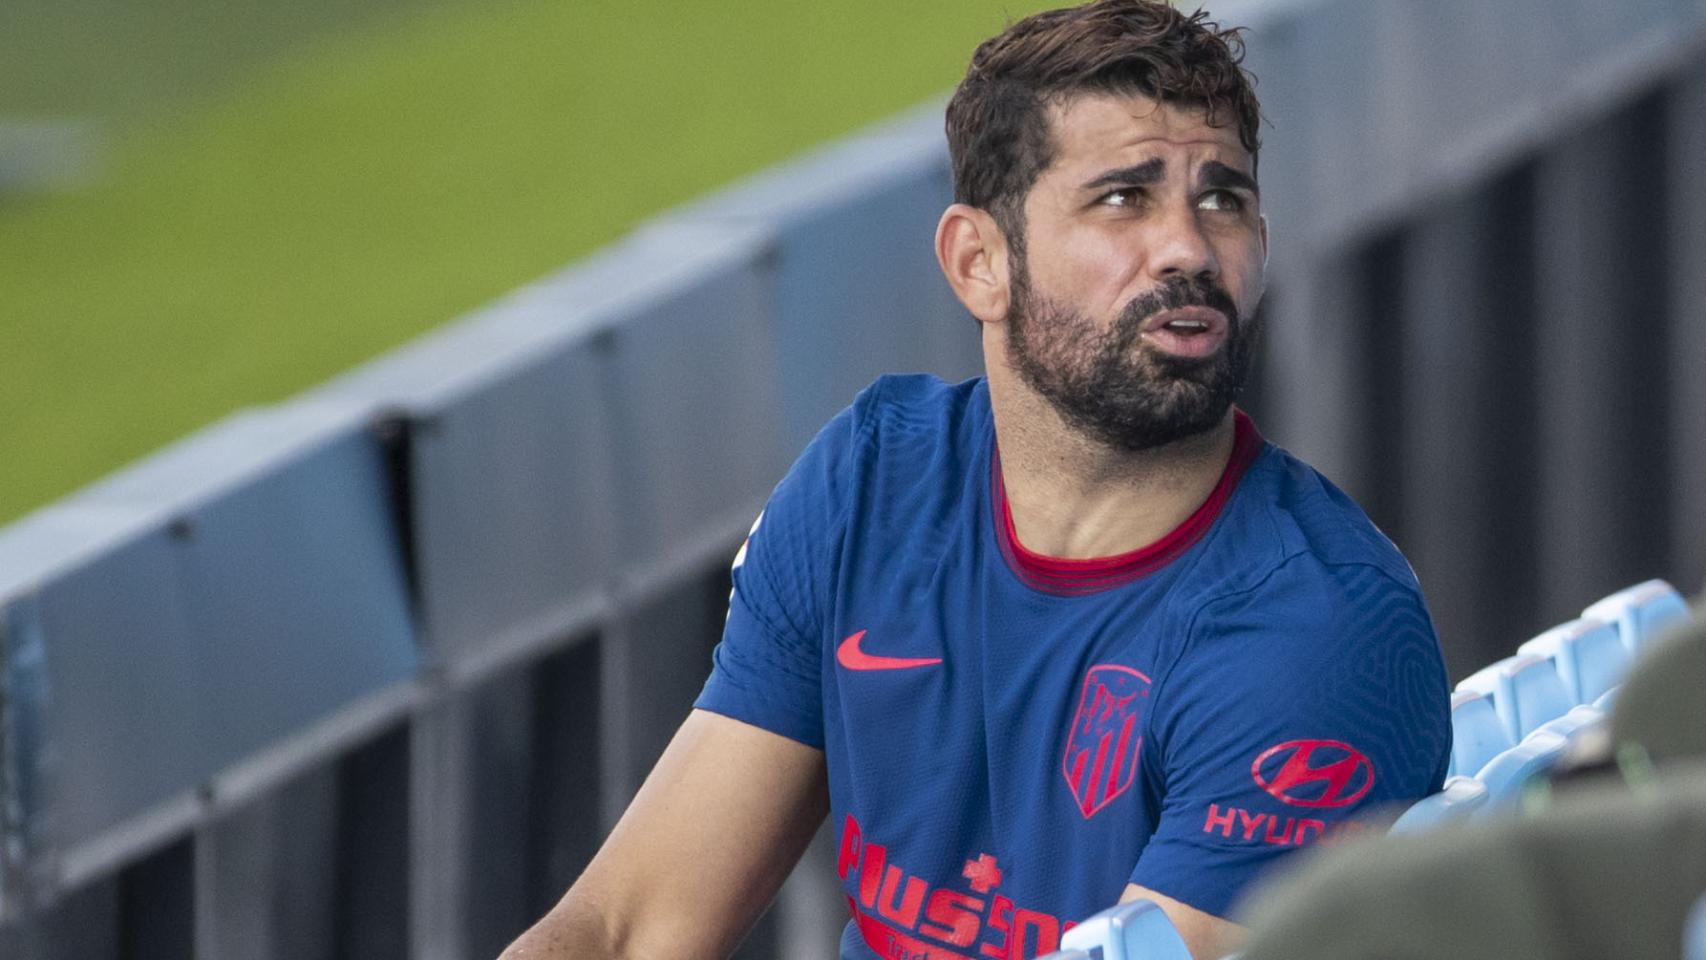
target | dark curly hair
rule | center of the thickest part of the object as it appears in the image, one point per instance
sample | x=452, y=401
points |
x=998, y=126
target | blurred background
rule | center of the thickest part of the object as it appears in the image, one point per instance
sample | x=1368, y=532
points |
x=207, y=205
x=385, y=387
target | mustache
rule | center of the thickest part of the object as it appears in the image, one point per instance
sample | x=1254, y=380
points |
x=1173, y=294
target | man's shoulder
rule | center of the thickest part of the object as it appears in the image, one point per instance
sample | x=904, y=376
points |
x=919, y=399
x=1292, y=547
x=1300, y=582
x=899, y=426
x=902, y=417
x=1312, y=522
x=895, y=406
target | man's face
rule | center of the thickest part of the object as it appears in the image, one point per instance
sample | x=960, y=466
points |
x=1134, y=295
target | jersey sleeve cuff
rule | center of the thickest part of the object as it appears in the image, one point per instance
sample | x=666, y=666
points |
x=1215, y=885
x=722, y=696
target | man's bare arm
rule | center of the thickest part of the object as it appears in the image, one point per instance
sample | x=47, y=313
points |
x=1209, y=937
x=701, y=851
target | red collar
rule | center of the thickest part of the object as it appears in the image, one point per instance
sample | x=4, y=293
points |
x=1072, y=577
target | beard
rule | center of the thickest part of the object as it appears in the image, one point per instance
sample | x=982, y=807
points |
x=1114, y=388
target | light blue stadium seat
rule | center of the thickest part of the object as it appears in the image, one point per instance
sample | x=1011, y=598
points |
x=1526, y=692
x=1603, y=702
x=1641, y=612
x=1138, y=930
x=1505, y=774
x=1589, y=655
x=1578, y=721
x=1459, y=797
x=1477, y=735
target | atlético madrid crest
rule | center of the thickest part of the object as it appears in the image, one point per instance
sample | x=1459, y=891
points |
x=1102, y=747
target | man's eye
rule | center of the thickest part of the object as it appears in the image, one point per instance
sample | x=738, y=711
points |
x=1221, y=200
x=1124, y=197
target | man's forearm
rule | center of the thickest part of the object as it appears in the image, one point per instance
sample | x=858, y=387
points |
x=723, y=793
x=571, y=931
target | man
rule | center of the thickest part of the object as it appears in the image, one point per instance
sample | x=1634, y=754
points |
x=1069, y=633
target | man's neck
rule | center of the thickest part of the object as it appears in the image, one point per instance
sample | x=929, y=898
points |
x=1073, y=497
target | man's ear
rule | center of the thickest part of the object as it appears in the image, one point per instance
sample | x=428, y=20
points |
x=973, y=253
x=1264, y=222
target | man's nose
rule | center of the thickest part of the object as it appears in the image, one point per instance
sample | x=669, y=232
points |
x=1181, y=249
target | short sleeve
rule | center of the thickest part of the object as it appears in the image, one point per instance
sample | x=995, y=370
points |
x=767, y=670
x=1296, y=708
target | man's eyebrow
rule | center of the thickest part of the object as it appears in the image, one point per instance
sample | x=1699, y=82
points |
x=1217, y=174
x=1139, y=175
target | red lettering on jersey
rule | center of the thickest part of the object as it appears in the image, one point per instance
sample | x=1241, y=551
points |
x=1251, y=823
x=1023, y=933
x=871, y=873
x=1039, y=930
x=851, y=843
x=1001, y=922
x=889, y=906
x=1216, y=820
x=1236, y=821
x=906, y=912
x=953, y=918
x=891, y=944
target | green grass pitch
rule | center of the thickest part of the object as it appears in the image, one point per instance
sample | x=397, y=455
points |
x=365, y=185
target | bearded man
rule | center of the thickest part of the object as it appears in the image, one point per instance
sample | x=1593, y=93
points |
x=1066, y=634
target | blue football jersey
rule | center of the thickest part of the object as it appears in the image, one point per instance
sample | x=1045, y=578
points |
x=1012, y=738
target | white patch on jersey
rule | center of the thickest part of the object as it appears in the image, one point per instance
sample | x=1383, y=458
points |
x=740, y=556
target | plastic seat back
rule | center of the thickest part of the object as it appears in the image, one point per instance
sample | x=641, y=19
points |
x=1484, y=680
x=1530, y=693
x=1460, y=797
x=1526, y=692
x=1577, y=722
x=1138, y=930
x=1477, y=735
x=1505, y=774
x=1589, y=655
x=1642, y=612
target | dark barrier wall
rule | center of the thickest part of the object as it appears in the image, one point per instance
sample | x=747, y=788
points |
x=1525, y=421
x=371, y=673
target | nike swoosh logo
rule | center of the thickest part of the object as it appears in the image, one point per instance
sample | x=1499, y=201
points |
x=850, y=656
